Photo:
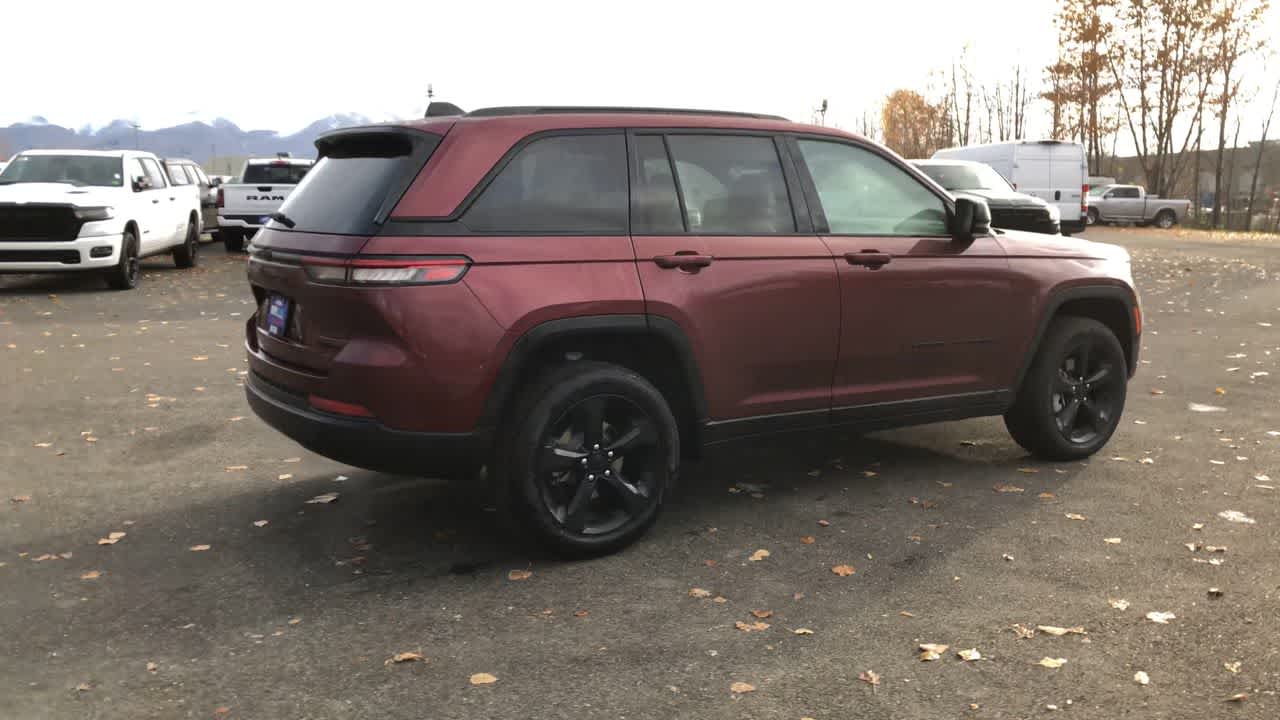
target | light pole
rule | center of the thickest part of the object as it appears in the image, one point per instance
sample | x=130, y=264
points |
x=135, y=127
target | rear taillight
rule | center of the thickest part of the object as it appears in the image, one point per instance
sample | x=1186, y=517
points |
x=221, y=201
x=387, y=271
x=1084, y=198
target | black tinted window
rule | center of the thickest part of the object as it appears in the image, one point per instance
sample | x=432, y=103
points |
x=732, y=185
x=563, y=184
x=345, y=189
x=654, y=205
x=277, y=173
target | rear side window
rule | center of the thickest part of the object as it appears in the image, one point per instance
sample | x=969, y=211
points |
x=358, y=178
x=732, y=185
x=177, y=176
x=655, y=208
x=563, y=184
x=195, y=176
x=274, y=173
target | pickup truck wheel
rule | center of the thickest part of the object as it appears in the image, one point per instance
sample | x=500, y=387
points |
x=1072, y=398
x=187, y=254
x=124, y=276
x=1165, y=219
x=1092, y=218
x=593, y=450
x=232, y=241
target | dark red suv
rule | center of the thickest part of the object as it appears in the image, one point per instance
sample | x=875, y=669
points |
x=577, y=298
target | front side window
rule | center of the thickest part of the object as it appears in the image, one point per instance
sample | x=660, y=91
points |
x=561, y=184
x=177, y=176
x=864, y=194
x=152, y=170
x=77, y=170
x=732, y=184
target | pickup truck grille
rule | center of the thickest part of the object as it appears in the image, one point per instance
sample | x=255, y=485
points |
x=53, y=223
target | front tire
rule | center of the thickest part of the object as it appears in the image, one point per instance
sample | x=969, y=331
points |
x=1071, y=400
x=1093, y=218
x=594, y=447
x=124, y=276
x=187, y=254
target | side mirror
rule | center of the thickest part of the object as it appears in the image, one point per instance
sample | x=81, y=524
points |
x=141, y=183
x=215, y=182
x=972, y=219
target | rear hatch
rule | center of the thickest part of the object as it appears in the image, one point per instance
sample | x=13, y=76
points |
x=298, y=262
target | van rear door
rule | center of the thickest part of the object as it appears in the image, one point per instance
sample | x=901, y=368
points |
x=1069, y=176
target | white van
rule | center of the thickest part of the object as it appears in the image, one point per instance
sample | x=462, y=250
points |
x=1052, y=170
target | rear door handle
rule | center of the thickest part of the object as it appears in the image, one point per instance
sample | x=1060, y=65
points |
x=873, y=259
x=684, y=260
x=156, y=201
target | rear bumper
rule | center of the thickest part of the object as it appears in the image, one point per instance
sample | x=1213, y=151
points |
x=44, y=256
x=365, y=443
x=247, y=223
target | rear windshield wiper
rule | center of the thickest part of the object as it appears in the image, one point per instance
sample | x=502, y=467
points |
x=282, y=219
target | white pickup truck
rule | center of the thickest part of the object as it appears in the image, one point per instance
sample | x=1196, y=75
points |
x=245, y=206
x=81, y=210
x=1131, y=203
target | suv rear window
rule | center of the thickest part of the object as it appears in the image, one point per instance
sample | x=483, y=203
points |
x=356, y=181
x=280, y=173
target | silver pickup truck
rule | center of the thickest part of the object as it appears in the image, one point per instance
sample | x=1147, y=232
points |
x=1132, y=204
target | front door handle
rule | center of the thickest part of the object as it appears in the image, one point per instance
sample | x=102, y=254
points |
x=684, y=260
x=156, y=201
x=873, y=259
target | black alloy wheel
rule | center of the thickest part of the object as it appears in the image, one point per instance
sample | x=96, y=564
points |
x=1084, y=401
x=599, y=465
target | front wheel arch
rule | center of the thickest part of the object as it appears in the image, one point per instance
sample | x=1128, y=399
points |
x=1112, y=305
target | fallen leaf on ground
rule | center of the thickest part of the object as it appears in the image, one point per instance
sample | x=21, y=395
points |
x=932, y=651
x=199, y=548
x=581, y=613
x=294, y=621
x=1215, y=548
x=1111, y=541
x=91, y=575
x=751, y=627
x=323, y=499
x=762, y=614
x=742, y=688
x=234, y=468
x=1147, y=461
x=802, y=631
x=483, y=679
x=199, y=358
x=1060, y=631
x=906, y=614
x=843, y=570
x=720, y=599
x=759, y=555
x=152, y=667
x=292, y=460
x=808, y=540
x=824, y=523
x=1160, y=617
x=1046, y=495
x=870, y=677
x=1007, y=488
x=1142, y=678
x=518, y=575
x=221, y=710
x=111, y=538
x=1197, y=526
x=260, y=523
x=1192, y=546
x=1232, y=667
x=1215, y=592
x=284, y=476
x=1238, y=697
x=404, y=657
x=84, y=687
x=1022, y=631
x=1028, y=470
x=1119, y=603
x=970, y=654
x=1052, y=662
x=1220, y=391
x=1236, y=516
x=1006, y=557
x=699, y=593
x=1076, y=516
x=1156, y=391
x=19, y=499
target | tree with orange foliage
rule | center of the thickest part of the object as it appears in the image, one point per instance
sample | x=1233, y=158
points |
x=911, y=124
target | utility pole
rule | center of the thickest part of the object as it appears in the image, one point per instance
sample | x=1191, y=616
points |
x=135, y=127
x=822, y=113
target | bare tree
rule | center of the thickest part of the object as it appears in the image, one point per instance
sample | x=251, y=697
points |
x=1233, y=26
x=1262, y=146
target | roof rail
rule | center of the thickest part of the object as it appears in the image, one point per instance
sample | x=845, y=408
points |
x=561, y=109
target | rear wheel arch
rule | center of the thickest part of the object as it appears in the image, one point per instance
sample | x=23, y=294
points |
x=1110, y=305
x=654, y=347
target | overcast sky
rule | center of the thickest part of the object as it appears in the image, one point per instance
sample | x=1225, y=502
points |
x=280, y=65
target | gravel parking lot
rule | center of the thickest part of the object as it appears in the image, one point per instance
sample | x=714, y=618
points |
x=164, y=554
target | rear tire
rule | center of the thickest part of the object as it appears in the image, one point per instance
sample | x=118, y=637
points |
x=124, y=276
x=1093, y=218
x=1165, y=219
x=187, y=255
x=592, y=450
x=1072, y=398
x=232, y=241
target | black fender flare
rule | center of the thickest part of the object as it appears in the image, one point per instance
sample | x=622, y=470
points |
x=539, y=336
x=1058, y=298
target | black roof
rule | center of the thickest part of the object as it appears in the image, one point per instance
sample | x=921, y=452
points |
x=562, y=109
